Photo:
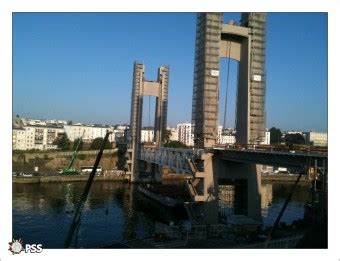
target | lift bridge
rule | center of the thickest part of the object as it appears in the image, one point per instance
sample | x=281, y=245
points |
x=208, y=163
x=211, y=166
x=179, y=159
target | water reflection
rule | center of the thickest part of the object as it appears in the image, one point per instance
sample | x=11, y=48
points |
x=273, y=196
x=42, y=213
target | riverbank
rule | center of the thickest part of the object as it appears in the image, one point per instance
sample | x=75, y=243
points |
x=285, y=178
x=52, y=179
x=71, y=178
x=171, y=177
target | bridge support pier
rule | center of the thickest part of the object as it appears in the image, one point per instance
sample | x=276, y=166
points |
x=203, y=189
x=244, y=171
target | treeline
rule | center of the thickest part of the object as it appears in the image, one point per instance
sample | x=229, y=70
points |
x=288, y=139
x=63, y=143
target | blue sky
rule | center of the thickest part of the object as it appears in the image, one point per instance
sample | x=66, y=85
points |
x=78, y=66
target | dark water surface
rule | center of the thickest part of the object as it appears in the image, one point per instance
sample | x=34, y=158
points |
x=42, y=213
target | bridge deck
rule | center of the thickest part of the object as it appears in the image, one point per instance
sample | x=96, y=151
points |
x=272, y=158
x=177, y=158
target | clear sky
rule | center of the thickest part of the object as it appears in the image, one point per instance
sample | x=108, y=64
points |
x=78, y=66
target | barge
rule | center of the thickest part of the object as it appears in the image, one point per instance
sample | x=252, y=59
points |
x=162, y=199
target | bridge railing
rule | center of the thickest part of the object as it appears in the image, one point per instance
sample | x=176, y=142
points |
x=171, y=157
x=305, y=149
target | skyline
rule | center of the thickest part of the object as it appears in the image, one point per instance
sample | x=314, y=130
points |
x=81, y=62
x=128, y=124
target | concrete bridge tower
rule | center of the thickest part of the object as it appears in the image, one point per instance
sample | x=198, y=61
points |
x=244, y=43
x=140, y=88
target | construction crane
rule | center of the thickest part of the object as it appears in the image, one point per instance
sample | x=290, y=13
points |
x=70, y=170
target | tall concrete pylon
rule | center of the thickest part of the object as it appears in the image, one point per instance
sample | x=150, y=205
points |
x=140, y=88
x=244, y=43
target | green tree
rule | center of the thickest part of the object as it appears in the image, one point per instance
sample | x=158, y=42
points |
x=75, y=143
x=97, y=143
x=296, y=138
x=175, y=144
x=275, y=136
x=62, y=141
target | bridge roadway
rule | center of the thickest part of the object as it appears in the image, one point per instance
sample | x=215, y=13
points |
x=177, y=158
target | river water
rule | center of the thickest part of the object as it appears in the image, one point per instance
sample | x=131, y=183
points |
x=114, y=211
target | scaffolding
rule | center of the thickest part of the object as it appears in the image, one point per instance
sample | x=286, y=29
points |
x=206, y=79
x=257, y=89
x=251, y=88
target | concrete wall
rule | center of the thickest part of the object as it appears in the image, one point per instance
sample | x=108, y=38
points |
x=52, y=162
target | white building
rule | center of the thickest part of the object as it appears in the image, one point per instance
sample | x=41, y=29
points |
x=117, y=135
x=35, y=137
x=122, y=127
x=174, y=133
x=147, y=135
x=219, y=135
x=100, y=132
x=43, y=122
x=227, y=139
x=295, y=132
x=77, y=130
x=266, y=140
x=39, y=134
x=317, y=138
x=226, y=136
x=18, y=138
x=88, y=132
x=185, y=134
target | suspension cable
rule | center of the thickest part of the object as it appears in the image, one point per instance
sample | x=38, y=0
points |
x=149, y=112
x=149, y=121
x=237, y=74
x=226, y=92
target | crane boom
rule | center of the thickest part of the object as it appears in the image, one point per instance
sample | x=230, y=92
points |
x=69, y=169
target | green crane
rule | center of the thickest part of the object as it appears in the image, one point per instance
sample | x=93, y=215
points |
x=70, y=170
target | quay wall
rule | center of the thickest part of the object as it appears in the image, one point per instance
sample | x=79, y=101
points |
x=285, y=178
x=51, y=162
x=52, y=179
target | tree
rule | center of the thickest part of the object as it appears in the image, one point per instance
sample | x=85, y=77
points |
x=75, y=143
x=62, y=142
x=296, y=138
x=175, y=144
x=275, y=135
x=167, y=136
x=69, y=122
x=97, y=143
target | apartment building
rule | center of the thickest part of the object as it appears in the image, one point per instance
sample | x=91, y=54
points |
x=317, y=138
x=185, y=134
